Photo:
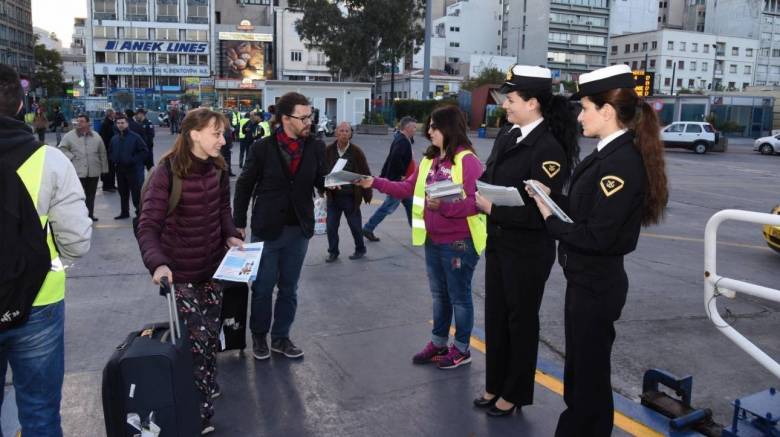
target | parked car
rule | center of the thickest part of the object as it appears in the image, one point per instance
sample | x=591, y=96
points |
x=767, y=145
x=772, y=233
x=698, y=136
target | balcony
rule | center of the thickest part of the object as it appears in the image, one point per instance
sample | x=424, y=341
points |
x=168, y=18
x=718, y=72
x=104, y=16
x=198, y=20
x=136, y=17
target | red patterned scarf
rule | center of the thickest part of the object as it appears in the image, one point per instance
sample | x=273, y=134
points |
x=292, y=147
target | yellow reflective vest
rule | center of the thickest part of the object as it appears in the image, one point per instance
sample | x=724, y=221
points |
x=477, y=222
x=53, y=288
x=241, y=124
x=266, y=128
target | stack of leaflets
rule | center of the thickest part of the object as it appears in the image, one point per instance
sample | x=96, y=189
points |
x=499, y=195
x=549, y=202
x=240, y=265
x=338, y=176
x=447, y=191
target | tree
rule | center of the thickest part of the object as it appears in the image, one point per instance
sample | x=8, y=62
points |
x=488, y=76
x=48, y=70
x=360, y=36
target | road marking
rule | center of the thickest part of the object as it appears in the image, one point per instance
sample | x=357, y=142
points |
x=701, y=240
x=555, y=385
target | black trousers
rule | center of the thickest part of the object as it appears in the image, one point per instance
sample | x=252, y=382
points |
x=109, y=179
x=243, y=151
x=338, y=204
x=594, y=302
x=90, y=188
x=515, y=275
x=129, y=186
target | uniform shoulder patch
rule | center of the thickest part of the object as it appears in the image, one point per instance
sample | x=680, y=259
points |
x=551, y=168
x=611, y=185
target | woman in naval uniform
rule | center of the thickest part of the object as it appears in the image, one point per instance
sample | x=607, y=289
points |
x=614, y=191
x=539, y=143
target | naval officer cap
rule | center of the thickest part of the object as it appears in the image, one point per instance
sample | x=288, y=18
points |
x=604, y=79
x=526, y=78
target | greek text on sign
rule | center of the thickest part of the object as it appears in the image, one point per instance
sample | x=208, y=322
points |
x=156, y=46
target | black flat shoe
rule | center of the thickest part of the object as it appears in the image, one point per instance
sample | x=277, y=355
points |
x=481, y=402
x=332, y=257
x=497, y=412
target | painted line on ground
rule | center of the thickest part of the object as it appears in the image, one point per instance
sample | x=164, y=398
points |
x=549, y=377
x=701, y=240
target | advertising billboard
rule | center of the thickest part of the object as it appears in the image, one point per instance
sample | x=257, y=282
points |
x=245, y=56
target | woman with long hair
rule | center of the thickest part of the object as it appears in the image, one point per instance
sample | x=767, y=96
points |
x=452, y=230
x=540, y=143
x=187, y=244
x=616, y=190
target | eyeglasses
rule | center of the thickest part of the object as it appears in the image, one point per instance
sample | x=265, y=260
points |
x=305, y=118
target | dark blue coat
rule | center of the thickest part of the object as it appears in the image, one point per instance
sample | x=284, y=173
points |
x=128, y=150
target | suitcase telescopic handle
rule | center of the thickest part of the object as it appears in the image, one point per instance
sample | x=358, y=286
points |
x=173, y=315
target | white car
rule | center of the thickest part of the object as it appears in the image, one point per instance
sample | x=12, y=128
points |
x=767, y=145
x=697, y=136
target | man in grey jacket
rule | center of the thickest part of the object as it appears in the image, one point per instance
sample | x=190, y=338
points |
x=35, y=349
x=86, y=151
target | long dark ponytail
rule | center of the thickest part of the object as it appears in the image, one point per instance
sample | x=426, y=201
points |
x=636, y=114
x=560, y=118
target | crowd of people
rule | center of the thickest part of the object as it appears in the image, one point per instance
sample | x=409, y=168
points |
x=608, y=195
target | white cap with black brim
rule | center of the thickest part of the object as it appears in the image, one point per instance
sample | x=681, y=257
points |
x=527, y=78
x=604, y=79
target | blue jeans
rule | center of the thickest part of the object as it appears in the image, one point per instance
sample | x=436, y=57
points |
x=338, y=203
x=36, y=352
x=280, y=267
x=388, y=206
x=450, y=269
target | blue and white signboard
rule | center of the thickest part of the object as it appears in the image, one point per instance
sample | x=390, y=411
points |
x=145, y=46
x=159, y=70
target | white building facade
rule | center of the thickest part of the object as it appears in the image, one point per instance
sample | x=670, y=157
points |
x=688, y=60
x=632, y=16
x=147, y=45
x=293, y=60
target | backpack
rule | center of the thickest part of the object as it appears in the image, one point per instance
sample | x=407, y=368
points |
x=174, y=190
x=25, y=259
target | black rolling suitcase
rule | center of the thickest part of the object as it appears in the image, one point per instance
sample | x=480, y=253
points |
x=235, y=298
x=150, y=375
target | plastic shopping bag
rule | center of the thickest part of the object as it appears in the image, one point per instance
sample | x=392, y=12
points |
x=320, y=215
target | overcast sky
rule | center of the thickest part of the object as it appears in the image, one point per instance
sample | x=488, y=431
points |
x=57, y=16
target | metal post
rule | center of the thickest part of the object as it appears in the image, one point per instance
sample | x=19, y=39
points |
x=132, y=86
x=427, y=53
x=674, y=70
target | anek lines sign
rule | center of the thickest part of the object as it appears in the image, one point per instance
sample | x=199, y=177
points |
x=155, y=46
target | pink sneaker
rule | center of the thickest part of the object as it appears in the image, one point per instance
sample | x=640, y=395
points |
x=430, y=354
x=454, y=358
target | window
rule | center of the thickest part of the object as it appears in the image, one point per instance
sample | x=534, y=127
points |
x=627, y=49
x=670, y=45
x=704, y=66
x=731, y=85
x=679, y=83
x=613, y=50
x=749, y=53
x=676, y=127
x=693, y=66
x=654, y=45
x=636, y=47
x=633, y=65
x=136, y=58
x=682, y=46
x=668, y=63
x=167, y=12
x=454, y=44
x=694, y=47
x=766, y=36
x=706, y=48
x=764, y=51
x=735, y=51
x=104, y=9
x=197, y=60
x=690, y=83
x=103, y=32
x=693, y=128
x=652, y=63
x=454, y=29
x=197, y=13
x=747, y=69
x=667, y=81
x=197, y=35
x=296, y=56
x=703, y=84
x=135, y=9
x=732, y=68
x=168, y=34
x=745, y=85
x=776, y=53
x=681, y=65
x=136, y=33
x=644, y=46
x=167, y=58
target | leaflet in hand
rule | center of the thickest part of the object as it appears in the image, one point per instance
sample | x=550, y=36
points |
x=549, y=202
x=445, y=190
x=499, y=195
x=240, y=265
x=339, y=176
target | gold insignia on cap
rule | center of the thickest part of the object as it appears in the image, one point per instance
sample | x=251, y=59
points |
x=509, y=74
x=611, y=185
x=551, y=168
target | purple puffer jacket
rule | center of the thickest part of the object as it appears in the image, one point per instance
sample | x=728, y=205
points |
x=190, y=241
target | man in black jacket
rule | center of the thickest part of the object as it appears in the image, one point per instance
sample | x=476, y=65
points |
x=148, y=129
x=280, y=175
x=395, y=169
x=107, y=131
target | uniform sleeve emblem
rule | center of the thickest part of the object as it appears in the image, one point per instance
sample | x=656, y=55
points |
x=611, y=185
x=551, y=168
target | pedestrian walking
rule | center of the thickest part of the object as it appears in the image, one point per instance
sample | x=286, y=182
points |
x=148, y=135
x=616, y=190
x=58, y=124
x=128, y=151
x=346, y=199
x=396, y=168
x=453, y=233
x=187, y=245
x=86, y=151
x=107, y=131
x=539, y=143
x=40, y=124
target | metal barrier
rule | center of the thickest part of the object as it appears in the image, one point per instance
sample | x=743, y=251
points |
x=716, y=285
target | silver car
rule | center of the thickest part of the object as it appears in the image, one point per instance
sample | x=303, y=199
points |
x=767, y=145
